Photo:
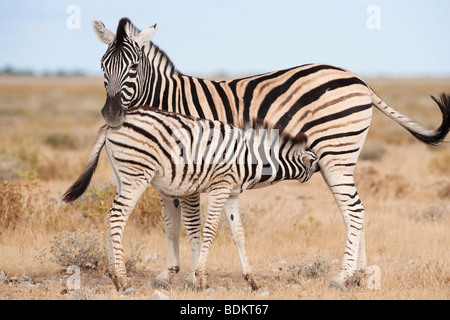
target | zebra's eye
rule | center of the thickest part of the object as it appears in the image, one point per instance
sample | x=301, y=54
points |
x=134, y=67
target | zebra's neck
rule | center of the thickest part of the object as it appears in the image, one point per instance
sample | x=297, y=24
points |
x=157, y=79
x=160, y=62
x=164, y=87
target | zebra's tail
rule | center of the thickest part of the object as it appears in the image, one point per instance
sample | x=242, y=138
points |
x=80, y=186
x=430, y=137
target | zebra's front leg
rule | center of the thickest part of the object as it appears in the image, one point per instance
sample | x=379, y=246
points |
x=172, y=222
x=231, y=211
x=190, y=211
x=123, y=205
x=352, y=211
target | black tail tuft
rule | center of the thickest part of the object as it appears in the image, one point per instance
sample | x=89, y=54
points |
x=441, y=132
x=79, y=186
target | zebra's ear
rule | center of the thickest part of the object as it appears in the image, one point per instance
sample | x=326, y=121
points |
x=103, y=34
x=145, y=36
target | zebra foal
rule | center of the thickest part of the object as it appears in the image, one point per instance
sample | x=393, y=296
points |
x=181, y=157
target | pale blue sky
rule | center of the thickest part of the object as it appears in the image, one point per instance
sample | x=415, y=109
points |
x=205, y=37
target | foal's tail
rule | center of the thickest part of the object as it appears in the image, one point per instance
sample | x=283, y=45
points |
x=80, y=186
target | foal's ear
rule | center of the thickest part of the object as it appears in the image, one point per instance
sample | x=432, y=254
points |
x=103, y=34
x=306, y=160
x=145, y=36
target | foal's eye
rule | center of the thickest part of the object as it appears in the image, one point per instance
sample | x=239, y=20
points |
x=134, y=67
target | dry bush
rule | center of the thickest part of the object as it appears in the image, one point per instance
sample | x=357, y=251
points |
x=83, y=249
x=25, y=203
x=310, y=270
x=11, y=197
x=86, y=250
x=99, y=197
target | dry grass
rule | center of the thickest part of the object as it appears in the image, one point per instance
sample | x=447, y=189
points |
x=48, y=125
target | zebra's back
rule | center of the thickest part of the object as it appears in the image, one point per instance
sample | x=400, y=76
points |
x=331, y=105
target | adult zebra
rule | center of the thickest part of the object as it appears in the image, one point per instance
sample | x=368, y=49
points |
x=181, y=157
x=331, y=105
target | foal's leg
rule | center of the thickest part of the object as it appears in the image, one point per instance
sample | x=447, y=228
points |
x=190, y=211
x=231, y=211
x=172, y=213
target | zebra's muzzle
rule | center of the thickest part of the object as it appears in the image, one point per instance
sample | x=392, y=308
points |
x=113, y=112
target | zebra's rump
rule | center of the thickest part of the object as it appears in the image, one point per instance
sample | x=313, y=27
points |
x=332, y=106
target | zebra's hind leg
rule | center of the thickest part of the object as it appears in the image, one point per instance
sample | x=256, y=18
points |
x=172, y=222
x=352, y=210
x=123, y=205
x=190, y=211
x=231, y=211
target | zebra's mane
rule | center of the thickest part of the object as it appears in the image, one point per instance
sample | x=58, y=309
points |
x=126, y=28
x=165, y=64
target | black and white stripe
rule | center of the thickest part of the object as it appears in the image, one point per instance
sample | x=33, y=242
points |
x=182, y=157
x=331, y=105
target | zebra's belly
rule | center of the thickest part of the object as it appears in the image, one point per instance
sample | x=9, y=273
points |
x=182, y=187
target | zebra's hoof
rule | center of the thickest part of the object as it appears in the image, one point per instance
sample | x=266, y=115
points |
x=336, y=285
x=252, y=282
x=194, y=286
x=191, y=287
x=158, y=284
x=191, y=282
x=354, y=281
